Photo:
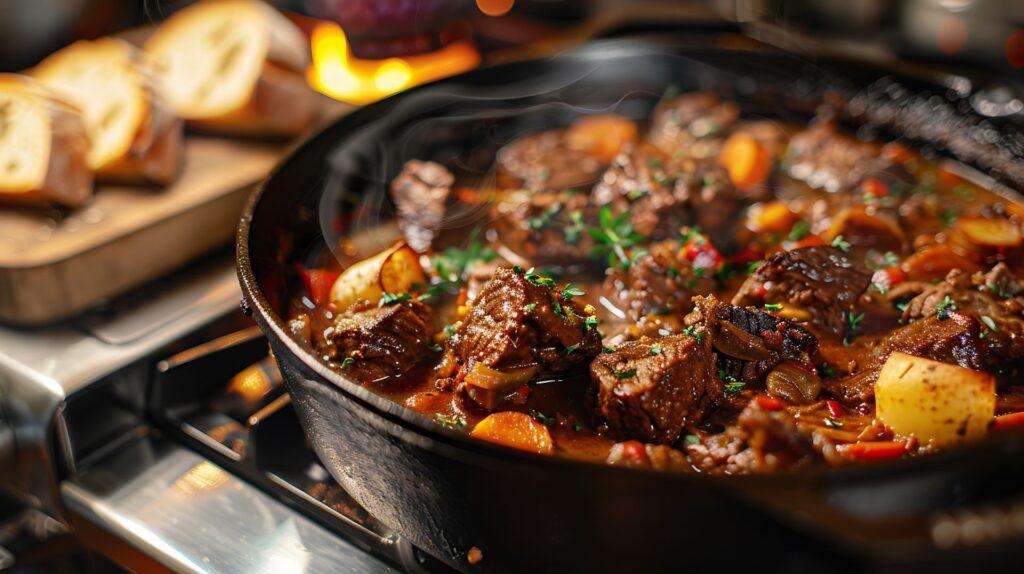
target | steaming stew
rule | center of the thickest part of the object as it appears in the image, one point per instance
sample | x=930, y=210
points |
x=697, y=293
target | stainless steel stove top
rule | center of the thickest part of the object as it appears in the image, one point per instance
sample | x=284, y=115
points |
x=145, y=428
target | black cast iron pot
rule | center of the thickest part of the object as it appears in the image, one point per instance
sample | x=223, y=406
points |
x=448, y=493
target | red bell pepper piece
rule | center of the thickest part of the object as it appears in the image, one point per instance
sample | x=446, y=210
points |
x=769, y=403
x=318, y=283
x=879, y=450
x=1007, y=421
x=835, y=410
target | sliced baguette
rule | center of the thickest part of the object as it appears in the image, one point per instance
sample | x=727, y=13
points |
x=135, y=136
x=44, y=146
x=235, y=66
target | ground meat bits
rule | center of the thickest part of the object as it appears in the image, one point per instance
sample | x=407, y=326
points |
x=651, y=389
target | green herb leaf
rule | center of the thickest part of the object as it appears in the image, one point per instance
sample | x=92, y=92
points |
x=693, y=332
x=607, y=350
x=989, y=323
x=949, y=217
x=733, y=389
x=800, y=230
x=451, y=421
x=590, y=323
x=942, y=308
x=614, y=236
x=391, y=298
x=841, y=244
x=529, y=307
x=692, y=439
x=655, y=350
x=347, y=362
x=538, y=279
x=773, y=306
x=571, y=348
x=625, y=374
x=573, y=232
x=544, y=218
x=833, y=423
x=454, y=263
x=571, y=291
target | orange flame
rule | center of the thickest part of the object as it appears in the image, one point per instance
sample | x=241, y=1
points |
x=338, y=74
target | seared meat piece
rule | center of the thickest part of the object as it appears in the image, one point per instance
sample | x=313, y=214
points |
x=826, y=158
x=659, y=282
x=956, y=339
x=383, y=341
x=419, y=193
x=545, y=162
x=761, y=441
x=662, y=194
x=751, y=342
x=545, y=228
x=822, y=280
x=989, y=299
x=519, y=320
x=635, y=454
x=679, y=124
x=651, y=389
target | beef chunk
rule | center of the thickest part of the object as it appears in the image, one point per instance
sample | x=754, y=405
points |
x=662, y=194
x=821, y=280
x=658, y=282
x=956, y=339
x=383, y=341
x=987, y=298
x=545, y=162
x=635, y=454
x=545, y=228
x=651, y=389
x=519, y=320
x=419, y=193
x=750, y=342
x=692, y=124
x=824, y=157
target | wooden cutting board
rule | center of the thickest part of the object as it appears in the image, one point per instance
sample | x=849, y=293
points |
x=55, y=264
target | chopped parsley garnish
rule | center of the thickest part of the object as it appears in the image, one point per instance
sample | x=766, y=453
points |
x=449, y=330
x=571, y=291
x=942, y=308
x=693, y=332
x=876, y=260
x=1000, y=292
x=692, y=439
x=734, y=388
x=576, y=426
x=538, y=279
x=753, y=266
x=949, y=217
x=347, y=362
x=542, y=418
x=635, y=194
x=591, y=322
x=688, y=234
x=854, y=320
x=451, y=421
x=841, y=244
x=607, y=350
x=625, y=374
x=833, y=423
x=655, y=350
x=800, y=230
x=614, y=236
x=529, y=307
x=454, y=263
x=558, y=309
x=672, y=272
x=989, y=323
x=391, y=298
x=902, y=306
x=827, y=371
x=573, y=232
x=571, y=348
x=773, y=306
x=544, y=218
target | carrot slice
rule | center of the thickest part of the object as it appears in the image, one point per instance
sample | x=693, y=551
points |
x=746, y=160
x=601, y=135
x=516, y=430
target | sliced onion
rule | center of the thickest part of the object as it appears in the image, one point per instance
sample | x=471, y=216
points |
x=740, y=344
x=793, y=384
x=490, y=387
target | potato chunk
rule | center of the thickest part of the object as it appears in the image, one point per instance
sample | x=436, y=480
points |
x=940, y=403
x=394, y=270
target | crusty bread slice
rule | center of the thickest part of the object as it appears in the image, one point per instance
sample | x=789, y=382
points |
x=234, y=66
x=43, y=146
x=134, y=134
